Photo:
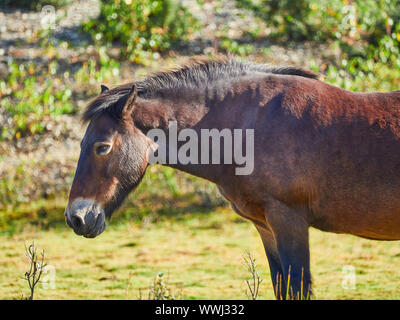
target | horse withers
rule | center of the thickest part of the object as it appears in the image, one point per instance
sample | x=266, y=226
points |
x=324, y=157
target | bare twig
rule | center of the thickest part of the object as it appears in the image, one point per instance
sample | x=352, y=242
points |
x=253, y=285
x=128, y=286
x=36, y=266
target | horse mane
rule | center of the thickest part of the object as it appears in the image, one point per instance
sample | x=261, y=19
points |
x=198, y=72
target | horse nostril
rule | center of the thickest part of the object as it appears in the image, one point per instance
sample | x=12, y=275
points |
x=85, y=217
x=77, y=222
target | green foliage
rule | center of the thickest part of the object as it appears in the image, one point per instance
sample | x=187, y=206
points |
x=366, y=32
x=286, y=16
x=369, y=29
x=29, y=97
x=357, y=74
x=318, y=20
x=98, y=71
x=32, y=4
x=143, y=27
x=368, y=36
x=236, y=48
x=10, y=185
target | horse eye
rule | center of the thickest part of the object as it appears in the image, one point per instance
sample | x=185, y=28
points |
x=102, y=148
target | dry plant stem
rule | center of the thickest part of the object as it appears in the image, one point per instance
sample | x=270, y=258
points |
x=253, y=284
x=159, y=289
x=35, y=269
x=128, y=286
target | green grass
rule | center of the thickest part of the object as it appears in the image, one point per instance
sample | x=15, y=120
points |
x=200, y=260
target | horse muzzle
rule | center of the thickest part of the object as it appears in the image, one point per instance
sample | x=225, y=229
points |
x=85, y=217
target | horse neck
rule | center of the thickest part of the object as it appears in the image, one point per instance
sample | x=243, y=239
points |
x=188, y=112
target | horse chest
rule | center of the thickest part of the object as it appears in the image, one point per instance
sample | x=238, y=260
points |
x=244, y=205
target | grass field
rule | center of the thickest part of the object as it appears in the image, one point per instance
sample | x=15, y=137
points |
x=201, y=255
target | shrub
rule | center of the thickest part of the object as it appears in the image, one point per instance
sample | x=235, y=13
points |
x=286, y=16
x=367, y=33
x=368, y=20
x=143, y=27
x=28, y=98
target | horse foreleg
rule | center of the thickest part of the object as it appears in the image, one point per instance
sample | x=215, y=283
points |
x=290, y=232
x=274, y=262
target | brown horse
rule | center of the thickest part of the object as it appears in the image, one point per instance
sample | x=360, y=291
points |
x=323, y=157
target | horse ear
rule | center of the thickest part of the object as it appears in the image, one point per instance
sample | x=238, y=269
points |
x=130, y=101
x=104, y=88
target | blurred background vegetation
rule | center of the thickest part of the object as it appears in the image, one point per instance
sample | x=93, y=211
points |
x=50, y=70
